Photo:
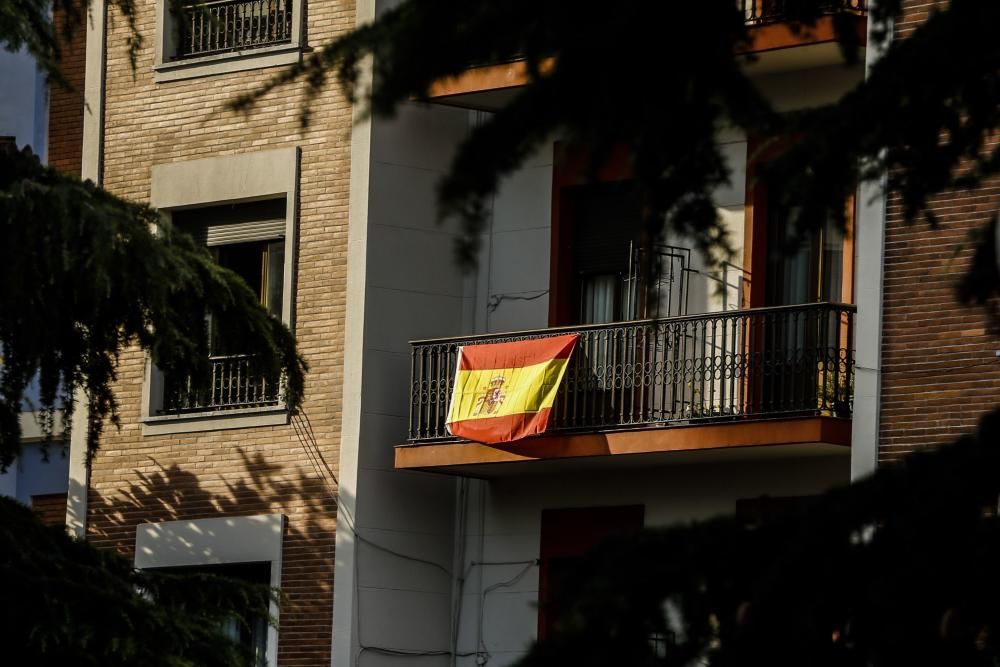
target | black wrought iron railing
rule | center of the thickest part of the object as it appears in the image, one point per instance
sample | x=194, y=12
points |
x=762, y=362
x=234, y=384
x=773, y=11
x=207, y=28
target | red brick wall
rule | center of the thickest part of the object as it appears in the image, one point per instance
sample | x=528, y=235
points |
x=940, y=372
x=51, y=508
x=66, y=103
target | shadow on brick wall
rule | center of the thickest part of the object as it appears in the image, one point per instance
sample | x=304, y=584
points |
x=281, y=477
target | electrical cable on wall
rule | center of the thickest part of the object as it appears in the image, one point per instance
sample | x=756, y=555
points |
x=303, y=429
x=496, y=299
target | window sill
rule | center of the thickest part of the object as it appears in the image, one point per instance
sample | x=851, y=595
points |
x=215, y=421
x=224, y=63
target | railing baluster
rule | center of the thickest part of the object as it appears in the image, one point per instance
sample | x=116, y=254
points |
x=232, y=25
x=753, y=363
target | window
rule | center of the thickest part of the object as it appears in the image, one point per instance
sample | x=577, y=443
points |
x=568, y=534
x=197, y=38
x=252, y=635
x=813, y=271
x=606, y=238
x=820, y=268
x=247, y=238
x=605, y=267
x=243, y=547
x=244, y=208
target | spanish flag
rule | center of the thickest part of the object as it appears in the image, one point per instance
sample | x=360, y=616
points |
x=505, y=391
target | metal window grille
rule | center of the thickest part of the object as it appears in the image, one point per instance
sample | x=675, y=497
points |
x=232, y=25
x=234, y=383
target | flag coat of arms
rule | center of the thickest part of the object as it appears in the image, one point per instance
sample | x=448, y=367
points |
x=505, y=391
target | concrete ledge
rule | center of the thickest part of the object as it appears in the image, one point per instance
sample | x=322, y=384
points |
x=215, y=421
x=225, y=63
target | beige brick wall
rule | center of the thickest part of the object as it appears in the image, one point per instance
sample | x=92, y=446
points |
x=288, y=469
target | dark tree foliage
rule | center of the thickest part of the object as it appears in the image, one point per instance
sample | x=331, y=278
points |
x=661, y=78
x=41, y=27
x=68, y=603
x=896, y=570
x=86, y=274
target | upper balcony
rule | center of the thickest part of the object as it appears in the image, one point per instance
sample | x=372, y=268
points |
x=780, y=377
x=776, y=43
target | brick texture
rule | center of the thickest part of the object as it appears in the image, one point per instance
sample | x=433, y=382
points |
x=940, y=370
x=288, y=469
x=66, y=103
x=51, y=508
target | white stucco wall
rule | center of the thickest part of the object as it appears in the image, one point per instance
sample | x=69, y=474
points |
x=505, y=527
x=413, y=289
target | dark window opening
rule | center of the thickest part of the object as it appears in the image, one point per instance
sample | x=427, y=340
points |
x=814, y=269
x=252, y=634
x=247, y=238
x=566, y=536
x=607, y=230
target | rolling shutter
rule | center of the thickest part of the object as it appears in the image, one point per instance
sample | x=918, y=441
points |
x=241, y=232
x=235, y=223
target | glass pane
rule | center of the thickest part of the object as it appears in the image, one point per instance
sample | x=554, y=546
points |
x=598, y=294
x=832, y=280
x=246, y=259
x=275, y=280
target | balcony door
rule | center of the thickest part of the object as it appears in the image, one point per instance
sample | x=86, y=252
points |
x=607, y=231
x=795, y=354
x=810, y=271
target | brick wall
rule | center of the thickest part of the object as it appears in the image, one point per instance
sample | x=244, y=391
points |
x=66, y=103
x=288, y=469
x=940, y=372
x=51, y=508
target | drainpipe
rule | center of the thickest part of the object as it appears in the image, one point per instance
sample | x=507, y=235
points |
x=869, y=256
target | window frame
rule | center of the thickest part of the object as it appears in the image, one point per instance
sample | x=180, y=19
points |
x=230, y=179
x=166, y=69
x=227, y=540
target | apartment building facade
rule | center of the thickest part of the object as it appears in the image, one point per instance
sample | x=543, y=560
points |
x=696, y=391
x=227, y=480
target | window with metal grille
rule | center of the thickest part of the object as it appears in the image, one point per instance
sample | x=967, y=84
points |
x=226, y=26
x=247, y=238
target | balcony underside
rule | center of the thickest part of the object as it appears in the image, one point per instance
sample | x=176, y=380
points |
x=776, y=47
x=678, y=444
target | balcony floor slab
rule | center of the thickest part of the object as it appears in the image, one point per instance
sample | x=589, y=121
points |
x=679, y=444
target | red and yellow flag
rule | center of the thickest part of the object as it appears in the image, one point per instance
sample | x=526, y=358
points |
x=505, y=391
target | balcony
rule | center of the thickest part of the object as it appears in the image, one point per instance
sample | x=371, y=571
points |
x=489, y=87
x=234, y=385
x=764, y=376
x=761, y=12
x=226, y=26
